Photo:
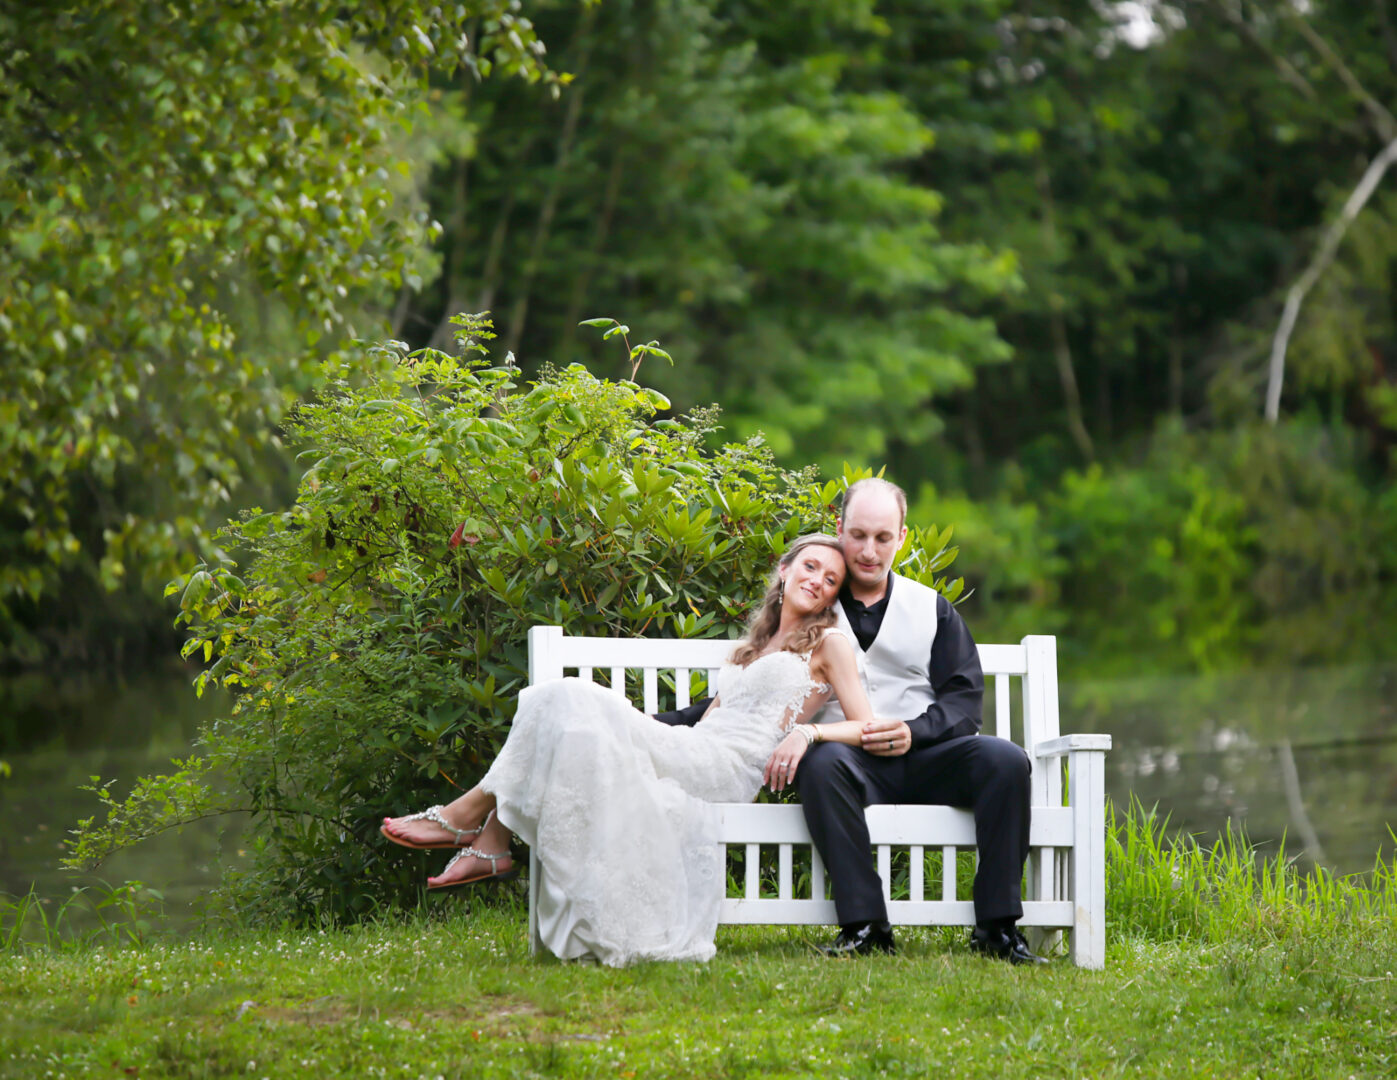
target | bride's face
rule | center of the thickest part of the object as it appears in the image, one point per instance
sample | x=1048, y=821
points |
x=813, y=579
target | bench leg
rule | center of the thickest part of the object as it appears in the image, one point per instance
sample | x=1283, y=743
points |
x=534, y=941
x=1086, y=777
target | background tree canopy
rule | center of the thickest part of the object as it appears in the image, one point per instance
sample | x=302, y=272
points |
x=1032, y=258
x=198, y=200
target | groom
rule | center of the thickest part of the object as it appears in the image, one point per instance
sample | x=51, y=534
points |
x=922, y=672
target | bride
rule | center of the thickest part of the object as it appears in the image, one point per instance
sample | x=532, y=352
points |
x=619, y=808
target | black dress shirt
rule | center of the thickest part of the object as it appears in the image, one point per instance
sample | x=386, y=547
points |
x=955, y=674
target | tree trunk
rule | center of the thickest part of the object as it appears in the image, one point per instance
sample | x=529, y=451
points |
x=1389, y=39
x=1333, y=236
x=1176, y=344
x=1383, y=121
x=519, y=314
x=454, y=270
x=1062, y=351
x=583, y=280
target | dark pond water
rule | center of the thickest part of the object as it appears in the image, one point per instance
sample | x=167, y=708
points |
x=1306, y=755
x=119, y=730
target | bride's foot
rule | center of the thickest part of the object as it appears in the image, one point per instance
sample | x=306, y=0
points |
x=430, y=830
x=469, y=866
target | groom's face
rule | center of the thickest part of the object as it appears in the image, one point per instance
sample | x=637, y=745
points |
x=871, y=532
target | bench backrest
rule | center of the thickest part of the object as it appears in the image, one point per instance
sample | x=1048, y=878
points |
x=667, y=673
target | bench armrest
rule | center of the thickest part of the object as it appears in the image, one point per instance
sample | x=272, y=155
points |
x=1066, y=744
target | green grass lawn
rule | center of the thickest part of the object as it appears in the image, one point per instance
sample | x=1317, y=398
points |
x=456, y=995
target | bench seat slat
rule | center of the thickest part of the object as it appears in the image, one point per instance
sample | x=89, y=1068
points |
x=761, y=823
x=900, y=912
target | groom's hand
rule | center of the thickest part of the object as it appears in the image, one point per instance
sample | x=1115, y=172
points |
x=887, y=738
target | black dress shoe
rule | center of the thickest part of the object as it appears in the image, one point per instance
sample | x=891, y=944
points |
x=862, y=940
x=1003, y=945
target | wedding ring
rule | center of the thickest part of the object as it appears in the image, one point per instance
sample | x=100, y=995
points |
x=890, y=744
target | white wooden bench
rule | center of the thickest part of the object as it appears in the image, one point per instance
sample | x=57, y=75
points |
x=1066, y=874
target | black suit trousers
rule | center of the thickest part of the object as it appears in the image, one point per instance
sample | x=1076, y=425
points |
x=981, y=773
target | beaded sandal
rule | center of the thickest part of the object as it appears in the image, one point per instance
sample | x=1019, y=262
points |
x=434, y=815
x=495, y=874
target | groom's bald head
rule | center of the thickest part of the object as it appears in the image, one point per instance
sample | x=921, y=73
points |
x=872, y=526
x=872, y=484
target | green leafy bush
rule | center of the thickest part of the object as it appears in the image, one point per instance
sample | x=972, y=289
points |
x=376, y=641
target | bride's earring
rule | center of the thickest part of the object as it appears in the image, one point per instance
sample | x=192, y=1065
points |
x=781, y=594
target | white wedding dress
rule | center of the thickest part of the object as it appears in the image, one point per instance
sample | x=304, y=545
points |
x=619, y=807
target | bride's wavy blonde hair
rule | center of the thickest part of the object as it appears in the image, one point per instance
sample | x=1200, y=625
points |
x=764, y=623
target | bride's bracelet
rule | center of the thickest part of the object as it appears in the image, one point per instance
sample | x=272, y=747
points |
x=811, y=733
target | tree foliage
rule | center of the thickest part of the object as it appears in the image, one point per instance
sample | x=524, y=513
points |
x=991, y=244
x=198, y=200
x=721, y=172
x=376, y=641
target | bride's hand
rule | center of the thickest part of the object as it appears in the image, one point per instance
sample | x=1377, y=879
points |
x=781, y=768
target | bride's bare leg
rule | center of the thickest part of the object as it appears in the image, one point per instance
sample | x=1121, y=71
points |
x=465, y=813
x=493, y=840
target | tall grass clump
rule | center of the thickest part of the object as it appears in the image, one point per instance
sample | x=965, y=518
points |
x=126, y=914
x=1170, y=887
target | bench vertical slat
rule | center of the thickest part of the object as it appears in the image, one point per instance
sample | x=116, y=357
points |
x=1001, y=706
x=1031, y=689
x=885, y=870
x=650, y=690
x=545, y=662
x=752, y=887
x=1042, y=866
x=618, y=681
x=1044, y=657
x=948, y=873
x=916, y=886
x=1036, y=728
x=534, y=941
x=783, y=876
x=712, y=682
x=1064, y=872
x=817, y=874
x=681, y=688
x=1048, y=664
x=585, y=673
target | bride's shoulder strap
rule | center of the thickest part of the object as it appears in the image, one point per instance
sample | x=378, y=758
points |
x=815, y=645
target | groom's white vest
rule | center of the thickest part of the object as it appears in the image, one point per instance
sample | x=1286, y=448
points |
x=895, y=670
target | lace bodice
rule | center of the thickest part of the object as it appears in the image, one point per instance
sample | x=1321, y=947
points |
x=776, y=686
